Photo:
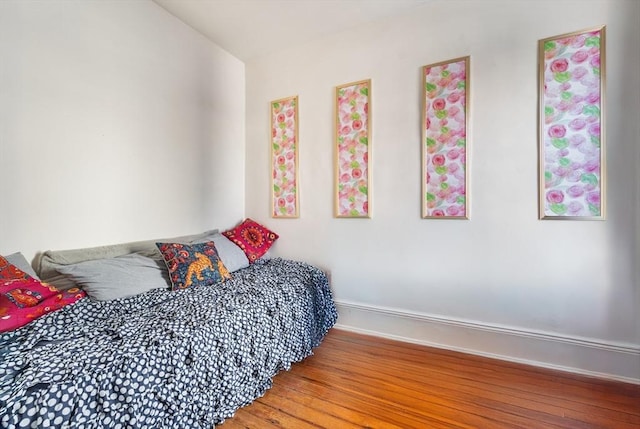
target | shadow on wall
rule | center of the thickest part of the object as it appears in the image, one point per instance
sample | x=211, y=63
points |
x=205, y=110
x=623, y=176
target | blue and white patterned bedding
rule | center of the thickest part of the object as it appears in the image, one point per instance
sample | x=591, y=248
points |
x=185, y=359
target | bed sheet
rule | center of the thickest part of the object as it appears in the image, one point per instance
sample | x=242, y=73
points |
x=184, y=359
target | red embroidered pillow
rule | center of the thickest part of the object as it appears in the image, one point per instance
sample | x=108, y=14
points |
x=10, y=272
x=23, y=300
x=253, y=238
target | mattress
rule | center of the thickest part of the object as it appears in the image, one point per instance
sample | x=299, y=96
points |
x=163, y=359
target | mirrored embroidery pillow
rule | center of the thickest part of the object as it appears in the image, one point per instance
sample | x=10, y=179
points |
x=23, y=300
x=253, y=238
x=193, y=264
x=9, y=271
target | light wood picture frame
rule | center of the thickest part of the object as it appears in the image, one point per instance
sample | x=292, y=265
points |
x=353, y=150
x=285, y=195
x=571, y=132
x=445, y=125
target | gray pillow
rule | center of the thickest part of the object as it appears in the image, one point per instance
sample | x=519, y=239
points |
x=119, y=277
x=47, y=264
x=231, y=255
x=21, y=262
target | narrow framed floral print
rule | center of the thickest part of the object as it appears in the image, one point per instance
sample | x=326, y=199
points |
x=444, y=139
x=571, y=125
x=353, y=150
x=284, y=158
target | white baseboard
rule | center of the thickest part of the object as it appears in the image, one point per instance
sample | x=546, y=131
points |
x=613, y=361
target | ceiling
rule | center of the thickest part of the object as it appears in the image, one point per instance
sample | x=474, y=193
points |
x=249, y=28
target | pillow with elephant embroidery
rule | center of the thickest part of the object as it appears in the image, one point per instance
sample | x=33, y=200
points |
x=193, y=264
x=22, y=300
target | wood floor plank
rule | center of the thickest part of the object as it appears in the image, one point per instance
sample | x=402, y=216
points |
x=556, y=385
x=471, y=388
x=373, y=411
x=247, y=420
x=468, y=400
x=419, y=401
x=303, y=408
x=357, y=381
x=265, y=411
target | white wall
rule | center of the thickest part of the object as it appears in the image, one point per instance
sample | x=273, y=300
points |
x=117, y=122
x=503, y=269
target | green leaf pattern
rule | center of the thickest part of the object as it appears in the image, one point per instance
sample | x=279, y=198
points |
x=445, y=140
x=353, y=150
x=283, y=156
x=571, y=128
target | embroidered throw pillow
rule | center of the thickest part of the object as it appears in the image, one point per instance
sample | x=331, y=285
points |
x=9, y=271
x=23, y=300
x=19, y=261
x=193, y=264
x=253, y=238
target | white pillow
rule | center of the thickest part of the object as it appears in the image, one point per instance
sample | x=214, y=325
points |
x=231, y=255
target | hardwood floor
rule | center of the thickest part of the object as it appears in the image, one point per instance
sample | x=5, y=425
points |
x=357, y=381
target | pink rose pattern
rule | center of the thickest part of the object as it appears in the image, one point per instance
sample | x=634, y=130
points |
x=445, y=140
x=283, y=156
x=353, y=150
x=571, y=128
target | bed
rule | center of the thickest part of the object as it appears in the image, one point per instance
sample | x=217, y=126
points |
x=186, y=358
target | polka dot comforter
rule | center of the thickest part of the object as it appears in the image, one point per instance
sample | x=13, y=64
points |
x=184, y=359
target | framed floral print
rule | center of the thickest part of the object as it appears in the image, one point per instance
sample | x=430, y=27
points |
x=284, y=158
x=444, y=139
x=353, y=150
x=571, y=125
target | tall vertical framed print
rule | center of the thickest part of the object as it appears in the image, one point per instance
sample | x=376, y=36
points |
x=353, y=150
x=444, y=139
x=571, y=125
x=284, y=158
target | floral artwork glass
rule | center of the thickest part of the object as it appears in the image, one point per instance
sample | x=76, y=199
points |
x=284, y=157
x=353, y=150
x=444, y=141
x=571, y=132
